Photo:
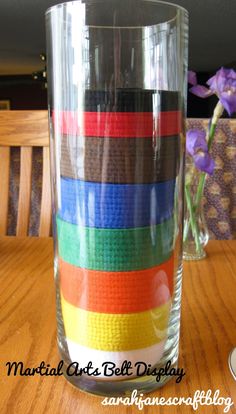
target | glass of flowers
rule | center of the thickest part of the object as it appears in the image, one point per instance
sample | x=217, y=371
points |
x=199, y=162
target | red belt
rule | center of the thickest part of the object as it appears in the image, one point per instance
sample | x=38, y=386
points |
x=118, y=124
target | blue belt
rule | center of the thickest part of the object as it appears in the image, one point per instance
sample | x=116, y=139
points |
x=114, y=206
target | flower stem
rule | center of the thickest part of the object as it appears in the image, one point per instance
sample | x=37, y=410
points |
x=200, y=190
x=211, y=134
x=193, y=223
x=200, y=187
x=202, y=180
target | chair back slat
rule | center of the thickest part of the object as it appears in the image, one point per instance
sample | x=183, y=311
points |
x=45, y=217
x=4, y=188
x=23, y=215
x=24, y=129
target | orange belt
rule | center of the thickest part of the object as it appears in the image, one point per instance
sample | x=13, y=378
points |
x=117, y=292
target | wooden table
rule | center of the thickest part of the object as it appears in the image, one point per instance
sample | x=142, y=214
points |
x=28, y=331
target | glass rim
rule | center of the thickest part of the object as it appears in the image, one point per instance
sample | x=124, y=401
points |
x=167, y=3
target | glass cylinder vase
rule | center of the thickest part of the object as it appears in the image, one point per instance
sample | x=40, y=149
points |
x=117, y=98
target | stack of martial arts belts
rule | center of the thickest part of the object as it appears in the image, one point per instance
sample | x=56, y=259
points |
x=115, y=224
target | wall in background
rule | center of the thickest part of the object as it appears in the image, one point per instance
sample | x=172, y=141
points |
x=26, y=93
x=23, y=92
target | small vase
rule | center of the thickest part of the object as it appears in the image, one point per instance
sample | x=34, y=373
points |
x=195, y=235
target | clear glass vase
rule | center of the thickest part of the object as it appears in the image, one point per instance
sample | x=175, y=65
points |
x=117, y=103
x=195, y=235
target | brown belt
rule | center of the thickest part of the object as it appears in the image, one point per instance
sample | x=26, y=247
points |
x=126, y=160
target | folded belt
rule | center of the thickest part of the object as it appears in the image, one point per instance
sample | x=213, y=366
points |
x=117, y=292
x=83, y=355
x=115, y=332
x=118, y=124
x=115, y=249
x=106, y=205
x=123, y=100
x=130, y=160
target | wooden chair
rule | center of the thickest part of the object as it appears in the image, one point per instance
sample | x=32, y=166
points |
x=24, y=129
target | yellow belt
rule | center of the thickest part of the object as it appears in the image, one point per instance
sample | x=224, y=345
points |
x=115, y=332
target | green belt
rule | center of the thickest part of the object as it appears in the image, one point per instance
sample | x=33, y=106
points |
x=115, y=249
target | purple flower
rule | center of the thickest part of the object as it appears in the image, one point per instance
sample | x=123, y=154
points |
x=196, y=141
x=223, y=84
x=204, y=162
x=196, y=146
x=192, y=78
